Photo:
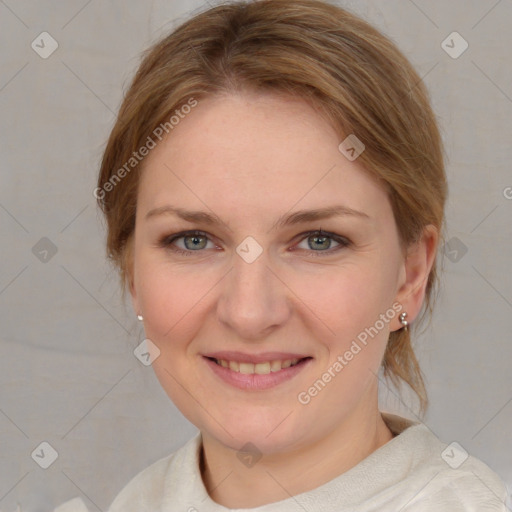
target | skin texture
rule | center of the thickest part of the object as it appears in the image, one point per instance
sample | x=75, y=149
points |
x=250, y=158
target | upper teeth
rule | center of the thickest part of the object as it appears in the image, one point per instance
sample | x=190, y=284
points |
x=259, y=368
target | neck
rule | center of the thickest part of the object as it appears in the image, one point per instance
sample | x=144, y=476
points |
x=276, y=477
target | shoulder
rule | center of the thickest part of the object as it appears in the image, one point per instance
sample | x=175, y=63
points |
x=146, y=490
x=474, y=488
x=74, y=505
x=445, y=477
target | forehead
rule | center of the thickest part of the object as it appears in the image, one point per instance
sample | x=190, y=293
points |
x=255, y=153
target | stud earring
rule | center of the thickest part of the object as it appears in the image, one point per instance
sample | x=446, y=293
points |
x=140, y=318
x=403, y=321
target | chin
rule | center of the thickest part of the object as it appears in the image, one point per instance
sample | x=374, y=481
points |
x=269, y=435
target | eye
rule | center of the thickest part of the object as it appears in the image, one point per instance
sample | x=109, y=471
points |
x=193, y=241
x=320, y=242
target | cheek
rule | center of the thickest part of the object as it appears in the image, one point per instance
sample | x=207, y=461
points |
x=171, y=304
x=350, y=302
x=346, y=299
x=168, y=298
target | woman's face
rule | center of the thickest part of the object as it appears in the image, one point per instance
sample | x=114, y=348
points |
x=258, y=284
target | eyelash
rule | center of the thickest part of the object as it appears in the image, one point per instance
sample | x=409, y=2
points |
x=166, y=242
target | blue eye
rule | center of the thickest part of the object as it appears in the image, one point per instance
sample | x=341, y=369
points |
x=195, y=241
x=323, y=241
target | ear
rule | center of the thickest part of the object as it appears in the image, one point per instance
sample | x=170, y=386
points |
x=128, y=262
x=133, y=293
x=416, y=269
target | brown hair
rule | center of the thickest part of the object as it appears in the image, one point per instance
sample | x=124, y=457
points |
x=357, y=79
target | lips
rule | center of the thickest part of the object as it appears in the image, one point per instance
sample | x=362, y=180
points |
x=258, y=376
x=264, y=357
x=264, y=368
x=260, y=364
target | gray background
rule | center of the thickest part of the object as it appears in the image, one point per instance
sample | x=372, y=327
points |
x=68, y=375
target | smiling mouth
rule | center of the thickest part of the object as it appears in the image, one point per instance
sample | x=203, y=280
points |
x=263, y=368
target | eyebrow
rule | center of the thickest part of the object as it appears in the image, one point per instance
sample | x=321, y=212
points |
x=283, y=221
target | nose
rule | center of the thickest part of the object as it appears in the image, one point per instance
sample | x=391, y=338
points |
x=254, y=301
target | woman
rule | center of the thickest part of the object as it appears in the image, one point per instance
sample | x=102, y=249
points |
x=274, y=191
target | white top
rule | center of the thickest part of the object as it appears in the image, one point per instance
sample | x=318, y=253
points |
x=413, y=472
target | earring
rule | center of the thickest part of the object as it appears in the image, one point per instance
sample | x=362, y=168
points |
x=403, y=321
x=140, y=318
